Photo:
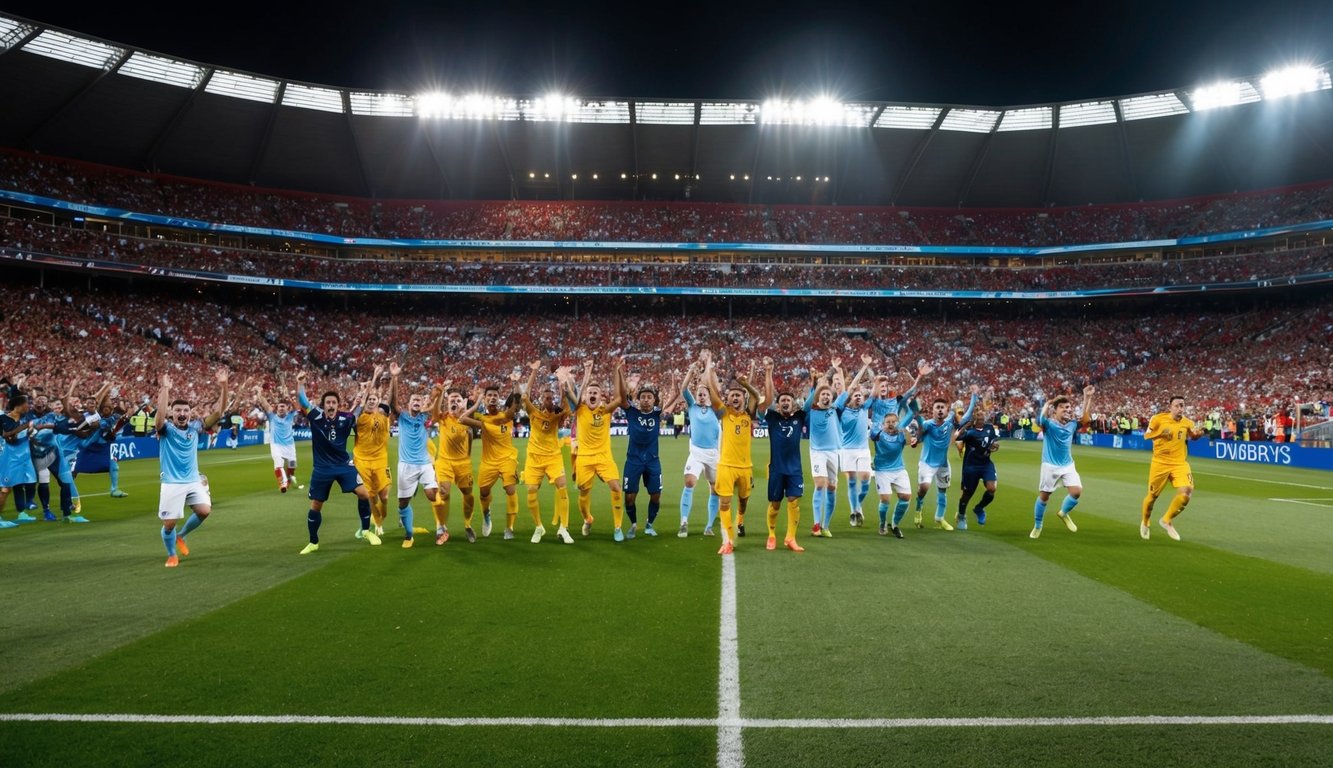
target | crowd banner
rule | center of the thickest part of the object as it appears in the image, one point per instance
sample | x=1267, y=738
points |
x=130, y=448
x=1247, y=452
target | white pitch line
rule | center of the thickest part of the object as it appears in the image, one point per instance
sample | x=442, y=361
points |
x=730, y=750
x=676, y=722
x=1309, y=502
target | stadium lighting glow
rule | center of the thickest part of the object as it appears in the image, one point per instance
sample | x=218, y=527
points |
x=798, y=178
x=654, y=177
x=532, y=175
x=237, y=85
x=546, y=175
x=624, y=175
x=747, y=177
x=821, y=110
x=1223, y=94
x=310, y=97
x=733, y=177
x=434, y=104
x=1152, y=105
x=380, y=104
x=1294, y=80
x=678, y=177
x=554, y=107
x=574, y=176
x=75, y=50
x=594, y=177
x=162, y=70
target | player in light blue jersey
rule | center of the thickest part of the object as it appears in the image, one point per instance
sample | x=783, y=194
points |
x=705, y=442
x=281, y=436
x=890, y=473
x=1057, y=461
x=884, y=400
x=16, y=469
x=178, y=452
x=821, y=408
x=415, y=466
x=937, y=435
x=854, y=450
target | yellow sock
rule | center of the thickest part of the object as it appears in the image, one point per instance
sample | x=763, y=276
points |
x=1177, y=506
x=534, y=508
x=1147, y=508
x=440, y=507
x=793, y=518
x=469, y=502
x=773, y=518
x=617, y=505
x=724, y=512
x=585, y=504
x=511, y=510
x=562, y=507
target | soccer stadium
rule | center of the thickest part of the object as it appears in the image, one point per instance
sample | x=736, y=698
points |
x=565, y=431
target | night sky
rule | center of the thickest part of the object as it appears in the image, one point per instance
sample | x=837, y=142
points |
x=994, y=54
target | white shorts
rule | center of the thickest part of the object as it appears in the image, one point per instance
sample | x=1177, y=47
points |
x=824, y=464
x=1051, y=476
x=854, y=459
x=893, y=481
x=940, y=476
x=702, y=463
x=176, y=497
x=412, y=475
x=282, y=454
x=43, y=476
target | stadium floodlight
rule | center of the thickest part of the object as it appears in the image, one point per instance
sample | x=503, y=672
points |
x=532, y=174
x=897, y=116
x=380, y=104
x=159, y=69
x=1087, y=113
x=970, y=120
x=1224, y=94
x=733, y=177
x=12, y=31
x=311, y=97
x=624, y=175
x=594, y=177
x=1152, y=105
x=1031, y=119
x=665, y=112
x=75, y=50
x=574, y=176
x=822, y=110
x=607, y=112
x=728, y=113
x=434, y=104
x=237, y=85
x=1294, y=80
x=678, y=177
x=654, y=177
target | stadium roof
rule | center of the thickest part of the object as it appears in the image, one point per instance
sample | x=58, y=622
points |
x=73, y=95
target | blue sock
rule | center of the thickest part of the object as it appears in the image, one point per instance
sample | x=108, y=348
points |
x=830, y=502
x=194, y=522
x=1038, y=512
x=21, y=498
x=1069, y=503
x=686, y=501
x=941, y=502
x=653, y=507
x=312, y=521
x=920, y=502
x=66, y=499
x=817, y=503
x=44, y=493
x=363, y=509
x=632, y=510
x=864, y=492
x=169, y=539
x=883, y=513
x=114, y=469
x=713, y=502
x=405, y=517
x=899, y=511
x=986, y=499
x=851, y=496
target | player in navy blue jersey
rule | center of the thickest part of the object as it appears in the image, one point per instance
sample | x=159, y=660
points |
x=642, y=463
x=329, y=430
x=976, y=442
x=785, y=423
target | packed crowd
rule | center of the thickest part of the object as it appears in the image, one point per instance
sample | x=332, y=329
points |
x=591, y=221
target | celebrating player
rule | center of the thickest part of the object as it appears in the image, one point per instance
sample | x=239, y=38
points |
x=1169, y=433
x=735, y=469
x=854, y=450
x=182, y=484
x=329, y=429
x=642, y=462
x=593, y=415
x=1057, y=460
x=785, y=423
x=705, y=439
x=499, y=457
x=936, y=436
x=825, y=437
x=414, y=465
x=370, y=450
x=890, y=473
x=976, y=442
x=453, y=461
x=544, y=459
x=282, y=439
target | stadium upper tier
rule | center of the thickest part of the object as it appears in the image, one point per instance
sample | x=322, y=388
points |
x=582, y=221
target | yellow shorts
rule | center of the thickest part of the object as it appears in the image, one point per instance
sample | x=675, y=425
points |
x=457, y=473
x=1179, y=476
x=505, y=472
x=375, y=477
x=734, y=480
x=552, y=469
x=604, y=467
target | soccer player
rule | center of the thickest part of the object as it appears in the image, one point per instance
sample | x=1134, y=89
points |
x=414, y=464
x=544, y=459
x=977, y=442
x=593, y=415
x=182, y=485
x=854, y=450
x=16, y=469
x=1057, y=460
x=499, y=457
x=825, y=436
x=735, y=467
x=453, y=460
x=936, y=436
x=883, y=399
x=329, y=429
x=282, y=439
x=95, y=454
x=370, y=451
x=705, y=439
x=1169, y=433
x=67, y=433
x=890, y=473
x=785, y=423
x=642, y=462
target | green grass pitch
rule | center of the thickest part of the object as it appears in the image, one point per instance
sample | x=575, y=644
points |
x=862, y=651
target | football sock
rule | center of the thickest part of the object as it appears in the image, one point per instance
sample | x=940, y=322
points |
x=653, y=507
x=562, y=506
x=713, y=502
x=511, y=509
x=405, y=517
x=941, y=502
x=1148, y=502
x=363, y=509
x=114, y=469
x=1069, y=503
x=863, y=493
x=277, y=472
x=169, y=539
x=534, y=508
x=920, y=501
x=899, y=511
x=1177, y=506
x=817, y=503
x=986, y=499
x=728, y=532
x=632, y=510
x=962, y=506
x=194, y=522
x=793, y=518
x=884, y=513
x=617, y=505
x=21, y=498
x=66, y=499
x=773, y=518
x=830, y=501
x=686, y=501
x=585, y=503
x=469, y=504
x=852, y=491
x=1038, y=513
x=44, y=494
x=440, y=508
x=312, y=521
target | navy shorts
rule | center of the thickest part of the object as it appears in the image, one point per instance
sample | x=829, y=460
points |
x=782, y=486
x=650, y=473
x=972, y=476
x=322, y=480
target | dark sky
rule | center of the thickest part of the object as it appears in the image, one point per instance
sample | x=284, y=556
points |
x=995, y=54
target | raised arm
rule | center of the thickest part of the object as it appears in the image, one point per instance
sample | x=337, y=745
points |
x=300, y=392
x=971, y=404
x=394, y=371
x=514, y=402
x=528, y=403
x=923, y=370
x=756, y=399
x=466, y=417
x=714, y=388
x=1086, y=418
x=618, y=372
x=64, y=401
x=163, y=401
x=865, y=366
x=770, y=392
x=213, y=418
x=263, y=402
x=836, y=375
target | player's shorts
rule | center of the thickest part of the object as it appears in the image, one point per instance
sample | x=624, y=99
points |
x=974, y=475
x=454, y=471
x=506, y=472
x=782, y=486
x=649, y=472
x=734, y=480
x=175, y=497
x=892, y=481
x=854, y=460
x=604, y=467
x=552, y=468
x=1179, y=475
x=940, y=476
x=824, y=464
x=374, y=473
x=17, y=472
x=1051, y=476
x=322, y=480
x=282, y=453
x=702, y=463
x=412, y=475
x=42, y=466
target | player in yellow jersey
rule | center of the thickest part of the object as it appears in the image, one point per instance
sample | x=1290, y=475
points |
x=592, y=416
x=1169, y=433
x=544, y=459
x=735, y=466
x=370, y=453
x=499, y=457
x=453, y=460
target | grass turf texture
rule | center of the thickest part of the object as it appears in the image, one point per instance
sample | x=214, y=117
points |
x=982, y=623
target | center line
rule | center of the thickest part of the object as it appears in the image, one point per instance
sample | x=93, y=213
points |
x=730, y=753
